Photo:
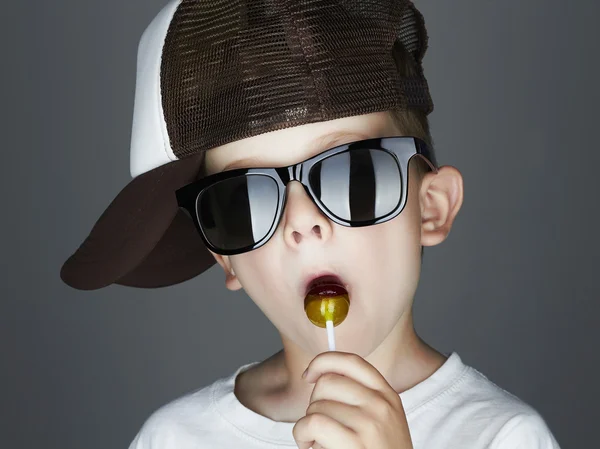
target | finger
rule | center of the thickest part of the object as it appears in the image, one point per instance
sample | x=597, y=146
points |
x=324, y=430
x=340, y=388
x=349, y=416
x=352, y=366
x=331, y=387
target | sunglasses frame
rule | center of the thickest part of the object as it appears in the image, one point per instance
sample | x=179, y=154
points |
x=402, y=148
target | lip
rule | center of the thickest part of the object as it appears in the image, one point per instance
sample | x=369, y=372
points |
x=323, y=277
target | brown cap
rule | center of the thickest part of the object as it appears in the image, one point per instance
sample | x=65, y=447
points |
x=213, y=72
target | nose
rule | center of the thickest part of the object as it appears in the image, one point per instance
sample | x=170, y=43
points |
x=302, y=220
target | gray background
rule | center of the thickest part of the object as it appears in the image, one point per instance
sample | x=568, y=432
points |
x=514, y=289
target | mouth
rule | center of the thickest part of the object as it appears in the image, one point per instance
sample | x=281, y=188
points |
x=323, y=281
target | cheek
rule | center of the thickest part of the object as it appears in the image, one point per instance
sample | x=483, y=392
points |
x=256, y=270
x=387, y=273
x=387, y=257
x=390, y=247
x=260, y=274
x=399, y=238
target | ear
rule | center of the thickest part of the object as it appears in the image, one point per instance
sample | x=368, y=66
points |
x=231, y=280
x=441, y=196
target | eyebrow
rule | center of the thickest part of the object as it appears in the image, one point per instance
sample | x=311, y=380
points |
x=317, y=145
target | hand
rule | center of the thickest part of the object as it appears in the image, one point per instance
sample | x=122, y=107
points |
x=351, y=407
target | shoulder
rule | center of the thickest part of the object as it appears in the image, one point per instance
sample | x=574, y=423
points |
x=480, y=390
x=466, y=407
x=513, y=423
x=525, y=431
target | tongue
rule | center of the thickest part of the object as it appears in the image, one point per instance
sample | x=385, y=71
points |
x=327, y=290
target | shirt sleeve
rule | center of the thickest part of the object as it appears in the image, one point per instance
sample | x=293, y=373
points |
x=141, y=440
x=149, y=434
x=137, y=442
x=525, y=431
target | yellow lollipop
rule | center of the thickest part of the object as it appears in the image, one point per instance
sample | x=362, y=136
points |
x=320, y=309
x=327, y=308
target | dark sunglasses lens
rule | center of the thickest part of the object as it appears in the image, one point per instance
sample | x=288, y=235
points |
x=358, y=185
x=238, y=212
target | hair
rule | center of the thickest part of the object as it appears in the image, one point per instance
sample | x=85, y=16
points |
x=411, y=122
x=414, y=123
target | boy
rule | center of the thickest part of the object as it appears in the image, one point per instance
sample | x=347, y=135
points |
x=288, y=142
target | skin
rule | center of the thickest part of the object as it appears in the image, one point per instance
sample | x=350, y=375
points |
x=379, y=353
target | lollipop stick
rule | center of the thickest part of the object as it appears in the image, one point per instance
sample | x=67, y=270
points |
x=330, y=335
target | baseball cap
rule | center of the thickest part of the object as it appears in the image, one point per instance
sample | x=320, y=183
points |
x=213, y=72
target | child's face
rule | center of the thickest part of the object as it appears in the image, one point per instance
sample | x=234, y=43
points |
x=380, y=263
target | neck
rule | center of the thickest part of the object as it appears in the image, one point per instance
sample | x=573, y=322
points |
x=403, y=359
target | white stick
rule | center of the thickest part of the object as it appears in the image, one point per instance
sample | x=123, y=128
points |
x=330, y=335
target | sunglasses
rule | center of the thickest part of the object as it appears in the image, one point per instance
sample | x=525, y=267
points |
x=357, y=184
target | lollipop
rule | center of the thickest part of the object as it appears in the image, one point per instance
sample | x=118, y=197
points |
x=327, y=306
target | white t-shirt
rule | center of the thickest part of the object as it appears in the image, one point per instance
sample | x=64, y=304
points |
x=455, y=407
